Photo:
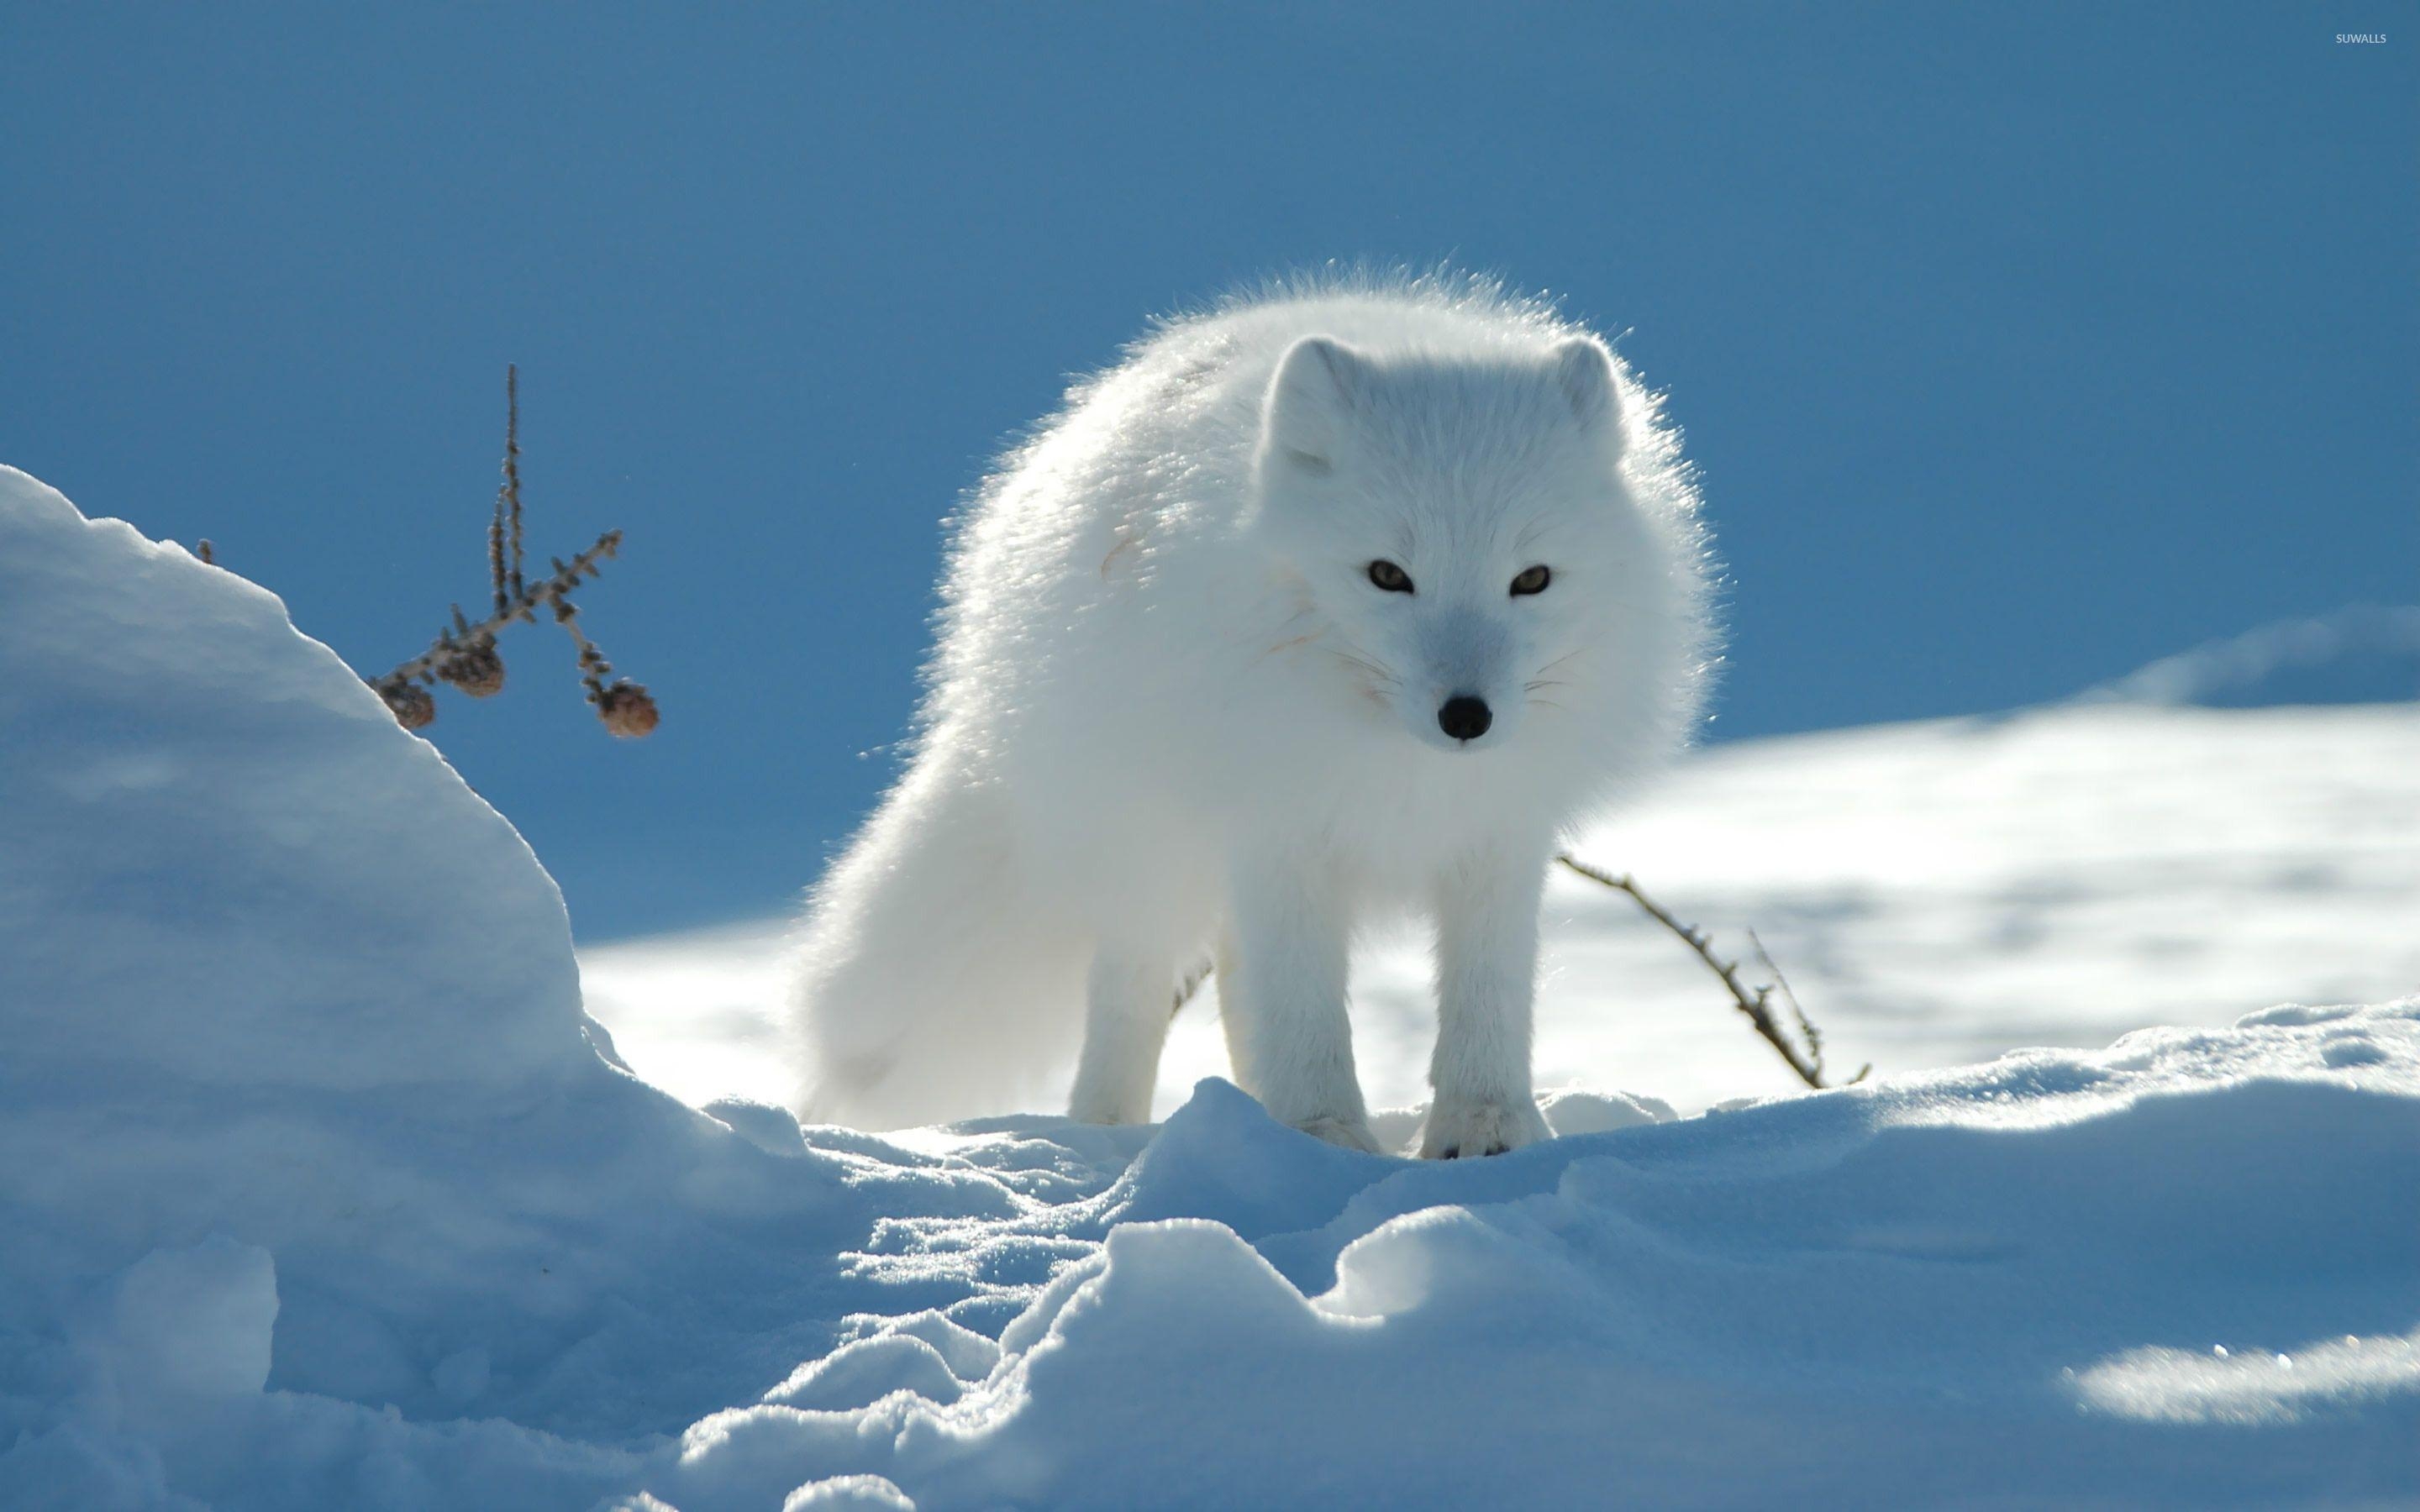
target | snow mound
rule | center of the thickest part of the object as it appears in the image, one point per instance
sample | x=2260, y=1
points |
x=320, y=1192
x=164, y=726
x=2017, y=1282
x=2367, y=654
x=297, y=1093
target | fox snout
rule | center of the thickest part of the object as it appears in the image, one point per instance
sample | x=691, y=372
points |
x=1465, y=656
x=1464, y=716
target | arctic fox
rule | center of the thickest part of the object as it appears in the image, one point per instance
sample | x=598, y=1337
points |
x=1340, y=600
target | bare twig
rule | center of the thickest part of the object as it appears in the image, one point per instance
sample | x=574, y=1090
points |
x=504, y=524
x=623, y=704
x=1754, y=1002
x=523, y=605
x=1807, y=1030
x=511, y=497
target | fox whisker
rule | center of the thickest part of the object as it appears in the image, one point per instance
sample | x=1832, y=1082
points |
x=1365, y=664
x=1558, y=662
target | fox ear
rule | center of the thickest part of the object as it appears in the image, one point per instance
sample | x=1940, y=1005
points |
x=1584, y=372
x=1303, y=420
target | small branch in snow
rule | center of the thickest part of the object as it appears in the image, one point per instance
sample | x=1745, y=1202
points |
x=1756, y=1002
x=1807, y=1030
x=465, y=653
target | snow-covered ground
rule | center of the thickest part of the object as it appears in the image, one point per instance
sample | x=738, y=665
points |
x=320, y=1191
x=1936, y=894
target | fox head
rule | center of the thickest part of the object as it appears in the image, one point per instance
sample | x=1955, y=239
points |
x=1459, y=528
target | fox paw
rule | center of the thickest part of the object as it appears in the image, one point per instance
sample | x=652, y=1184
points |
x=1453, y=1131
x=1353, y=1133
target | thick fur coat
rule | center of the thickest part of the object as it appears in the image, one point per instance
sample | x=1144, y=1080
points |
x=1329, y=603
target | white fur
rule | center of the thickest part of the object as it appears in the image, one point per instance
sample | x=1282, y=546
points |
x=1171, y=719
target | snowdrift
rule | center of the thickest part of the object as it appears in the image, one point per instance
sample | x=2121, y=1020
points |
x=320, y=1191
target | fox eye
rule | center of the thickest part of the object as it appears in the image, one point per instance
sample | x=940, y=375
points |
x=1532, y=581
x=1393, y=579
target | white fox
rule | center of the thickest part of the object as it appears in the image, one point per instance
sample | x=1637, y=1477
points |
x=1344, y=599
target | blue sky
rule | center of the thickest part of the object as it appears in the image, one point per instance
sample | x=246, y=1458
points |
x=2019, y=345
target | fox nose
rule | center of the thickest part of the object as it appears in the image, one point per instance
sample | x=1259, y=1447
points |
x=1465, y=718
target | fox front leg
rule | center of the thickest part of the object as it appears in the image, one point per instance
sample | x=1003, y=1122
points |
x=1488, y=975
x=1128, y=997
x=1281, y=985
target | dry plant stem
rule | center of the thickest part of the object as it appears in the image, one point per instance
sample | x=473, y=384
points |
x=505, y=526
x=1754, y=1002
x=1807, y=1030
x=523, y=605
x=623, y=704
x=513, y=467
x=594, y=668
x=464, y=655
x=498, y=596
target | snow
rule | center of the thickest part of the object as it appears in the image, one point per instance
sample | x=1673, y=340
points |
x=2367, y=654
x=1939, y=1285
x=1937, y=893
x=321, y=1190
